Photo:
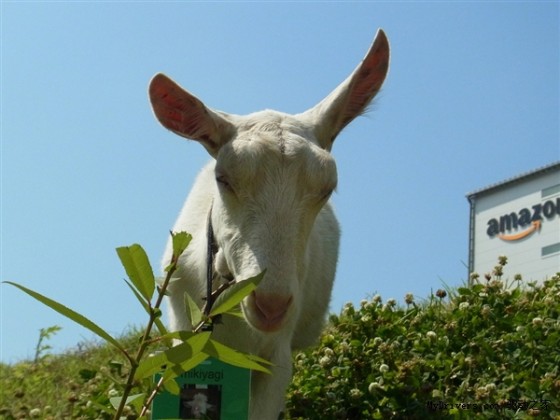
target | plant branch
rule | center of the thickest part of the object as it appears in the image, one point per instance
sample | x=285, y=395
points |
x=145, y=342
x=151, y=397
x=209, y=303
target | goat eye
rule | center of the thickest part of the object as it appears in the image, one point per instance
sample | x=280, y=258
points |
x=222, y=181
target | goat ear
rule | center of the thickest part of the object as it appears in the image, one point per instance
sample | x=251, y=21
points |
x=352, y=97
x=185, y=115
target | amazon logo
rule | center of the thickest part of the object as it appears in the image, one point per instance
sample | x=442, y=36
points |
x=525, y=222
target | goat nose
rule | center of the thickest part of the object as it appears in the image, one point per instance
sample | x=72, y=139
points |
x=271, y=306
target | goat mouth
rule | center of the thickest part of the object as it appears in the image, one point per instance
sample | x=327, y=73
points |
x=261, y=321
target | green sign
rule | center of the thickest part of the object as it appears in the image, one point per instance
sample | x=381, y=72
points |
x=213, y=391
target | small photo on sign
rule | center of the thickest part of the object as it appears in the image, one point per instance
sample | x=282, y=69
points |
x=200, y=402
x=213, y=390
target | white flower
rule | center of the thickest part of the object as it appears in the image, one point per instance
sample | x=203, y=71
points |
x=325, y=361
x=431, y=335
x=490, y=387
x=36, y=412
x=383, y=368
x=537, y=321
x=355, y=393
x=348, y=309
x=464, y=305
x=373, y=387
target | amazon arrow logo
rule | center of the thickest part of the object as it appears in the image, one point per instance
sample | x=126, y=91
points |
x=528, y=219
x=535, y=226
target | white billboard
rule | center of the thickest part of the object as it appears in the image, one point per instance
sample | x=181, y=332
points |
x=519, y=218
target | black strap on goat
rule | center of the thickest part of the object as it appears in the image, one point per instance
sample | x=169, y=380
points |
x=211, y=249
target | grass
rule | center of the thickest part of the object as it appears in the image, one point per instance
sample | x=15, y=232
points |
x=484, y=351
x=73, y=385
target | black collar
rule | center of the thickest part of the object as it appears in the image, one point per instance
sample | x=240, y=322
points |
x=211, y=249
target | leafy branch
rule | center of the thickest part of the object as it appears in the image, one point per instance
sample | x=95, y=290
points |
x=193, y=346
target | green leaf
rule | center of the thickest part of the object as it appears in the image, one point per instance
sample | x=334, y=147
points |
x=175, y=370
x=147, y=308
x=133, y=400
x=477, y=288
x=180, y=242
x=173, y=356
x=179, y=335
x=233, y=357
x=101, y=407
x=73, y=315
x=87, y=374
x=138, y=269
x=236, y=313
x=235, y=294
x=140, y=298
x=172, y=386
x=116, y=366
x=193, y=311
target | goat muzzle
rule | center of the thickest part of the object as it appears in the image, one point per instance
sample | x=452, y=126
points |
x=269, y=310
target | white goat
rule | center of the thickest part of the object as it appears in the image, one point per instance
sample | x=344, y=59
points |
x=266, y=191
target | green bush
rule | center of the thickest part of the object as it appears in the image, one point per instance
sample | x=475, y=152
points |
x=489, y=350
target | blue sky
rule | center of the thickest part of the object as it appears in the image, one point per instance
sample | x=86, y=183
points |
x=472, y=98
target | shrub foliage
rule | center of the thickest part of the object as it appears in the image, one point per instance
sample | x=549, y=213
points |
x=489, y=350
